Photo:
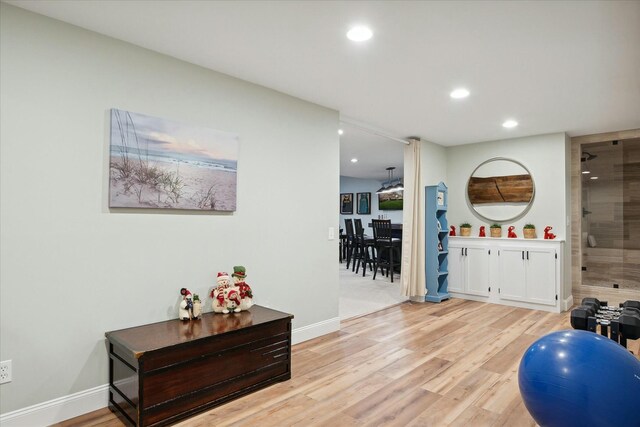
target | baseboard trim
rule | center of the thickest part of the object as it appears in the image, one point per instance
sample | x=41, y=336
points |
x=567, y=303
x=315, y=330
x=57, y=410
x=76, y=404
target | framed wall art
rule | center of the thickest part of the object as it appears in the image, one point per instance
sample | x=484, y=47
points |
x=161, y=164
x=346, y=203
x=363, y=201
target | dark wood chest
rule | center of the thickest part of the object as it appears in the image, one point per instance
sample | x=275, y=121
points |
x=166, y=371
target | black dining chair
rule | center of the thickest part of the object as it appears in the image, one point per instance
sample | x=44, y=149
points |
x=350, y=241
x=388, y=248
x=364, y=252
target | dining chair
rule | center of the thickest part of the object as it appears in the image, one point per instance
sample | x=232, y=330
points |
x=351, y=239
x=364, y=248
x=387, y=247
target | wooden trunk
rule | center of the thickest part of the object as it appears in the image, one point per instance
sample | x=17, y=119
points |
x=166, y=371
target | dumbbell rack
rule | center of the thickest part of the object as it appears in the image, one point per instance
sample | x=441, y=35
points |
x=607, y=317
x=618, y=323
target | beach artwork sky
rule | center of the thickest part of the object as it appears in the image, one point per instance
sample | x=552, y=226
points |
x=163, y=164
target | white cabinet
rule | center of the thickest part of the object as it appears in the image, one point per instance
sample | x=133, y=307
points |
x=527, y=274
x=469, y=269
x=518, y=272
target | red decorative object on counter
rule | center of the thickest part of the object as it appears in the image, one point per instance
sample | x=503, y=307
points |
x=511, y=234
x=453, y=230
x=547, y=233
x=482, y=232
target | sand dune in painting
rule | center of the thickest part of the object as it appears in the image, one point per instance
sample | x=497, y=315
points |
x=198, y=188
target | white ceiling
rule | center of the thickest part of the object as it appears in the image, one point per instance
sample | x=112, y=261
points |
x=553, y=66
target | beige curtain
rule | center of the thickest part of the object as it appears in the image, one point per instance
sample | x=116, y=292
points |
x=413, y=278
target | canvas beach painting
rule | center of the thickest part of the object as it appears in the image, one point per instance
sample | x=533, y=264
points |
x=162, y=164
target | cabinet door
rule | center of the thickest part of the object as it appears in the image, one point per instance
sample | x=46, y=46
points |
x=477, y=271
x=541, y=276
x=511, y=271
x=456, y=268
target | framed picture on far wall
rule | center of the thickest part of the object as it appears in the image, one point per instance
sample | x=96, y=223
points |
x=346, y=203
x=363, y=201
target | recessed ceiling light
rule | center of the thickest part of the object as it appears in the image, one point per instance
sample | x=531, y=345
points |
x=586, y=172
x=359, y=33
x=340, y=131
x=459, y=93
x=594, y=177
x=354, y=160
x=510, y=124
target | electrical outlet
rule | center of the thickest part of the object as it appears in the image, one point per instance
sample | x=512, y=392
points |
x=5, y=371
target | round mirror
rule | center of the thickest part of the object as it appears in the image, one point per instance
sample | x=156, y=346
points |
x=500, y=190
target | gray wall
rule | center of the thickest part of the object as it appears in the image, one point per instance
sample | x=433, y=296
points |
x=71, y=269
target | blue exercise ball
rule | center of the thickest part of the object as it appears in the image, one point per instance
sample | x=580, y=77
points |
x=580, y=378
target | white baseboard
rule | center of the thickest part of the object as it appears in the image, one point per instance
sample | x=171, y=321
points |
x=567, y=303
x=76, y=404
x=57, y=410
x=315, y=330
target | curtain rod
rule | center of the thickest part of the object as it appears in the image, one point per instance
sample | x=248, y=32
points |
x=363, y=127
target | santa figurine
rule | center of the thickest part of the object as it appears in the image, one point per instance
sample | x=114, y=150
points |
x=482, y=232
x=246, y=295
x=185, y=312
x=218, y=295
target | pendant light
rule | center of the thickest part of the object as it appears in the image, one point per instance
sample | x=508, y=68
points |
x=390, y=188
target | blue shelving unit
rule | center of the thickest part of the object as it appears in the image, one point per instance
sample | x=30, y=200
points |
x=437, y=242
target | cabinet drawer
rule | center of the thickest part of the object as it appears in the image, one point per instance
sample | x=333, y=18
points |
x=213, y=368
x=222, y=392
x=179, y=354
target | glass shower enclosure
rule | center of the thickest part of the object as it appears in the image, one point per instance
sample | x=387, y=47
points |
x=610, y=177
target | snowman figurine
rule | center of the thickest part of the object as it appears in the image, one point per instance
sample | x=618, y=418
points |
x=185, y=312
x=218, y=294
x=232, y=300
x=244, y=290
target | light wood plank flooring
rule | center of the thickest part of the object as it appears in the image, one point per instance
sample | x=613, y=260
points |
x=448, y=364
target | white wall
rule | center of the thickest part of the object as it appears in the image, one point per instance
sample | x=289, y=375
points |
x=71, y=269
x=548, y=159
x=545, y=157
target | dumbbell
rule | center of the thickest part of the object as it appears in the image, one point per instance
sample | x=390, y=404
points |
x=595, y=303
x=580, y=316
x=629, y=322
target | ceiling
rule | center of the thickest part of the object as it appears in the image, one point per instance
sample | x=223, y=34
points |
x=561, y=66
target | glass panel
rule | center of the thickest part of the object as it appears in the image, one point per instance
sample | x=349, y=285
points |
x=610, y=214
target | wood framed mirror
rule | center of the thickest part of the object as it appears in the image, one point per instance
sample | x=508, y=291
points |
x=500, y=190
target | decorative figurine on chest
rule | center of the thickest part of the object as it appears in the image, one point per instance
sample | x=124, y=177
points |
x=482, y=232
x=510, y=233
x=218, y=295
x=197, y=306
x=245, y=292
x=453, y=230
x=185, y=311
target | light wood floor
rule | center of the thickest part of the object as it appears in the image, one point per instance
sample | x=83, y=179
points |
x=448, y=364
